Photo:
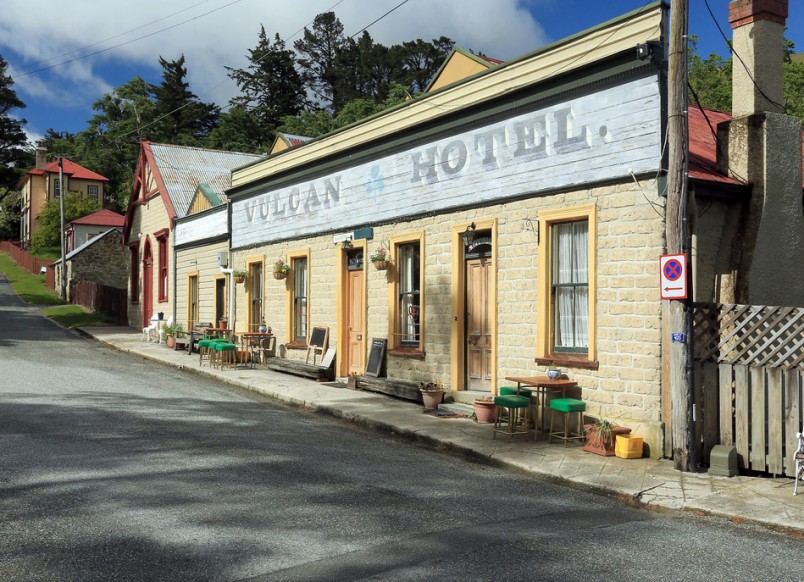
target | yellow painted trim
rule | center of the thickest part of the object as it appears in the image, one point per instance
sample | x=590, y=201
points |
x=458, y=300
x=393, y=287
x=291, y=290
x=341, y=299
x=250, y=262
x=544, y=313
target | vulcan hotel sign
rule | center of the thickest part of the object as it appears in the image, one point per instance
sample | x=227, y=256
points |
x=593, y=138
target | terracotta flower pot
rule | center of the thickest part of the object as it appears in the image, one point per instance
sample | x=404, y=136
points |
x=484, y=411
x=432, y=398
x=600, y=446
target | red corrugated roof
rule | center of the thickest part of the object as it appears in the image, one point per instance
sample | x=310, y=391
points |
x=71, y=169
x=492, y=60
x=101, y=218
x=703, y=147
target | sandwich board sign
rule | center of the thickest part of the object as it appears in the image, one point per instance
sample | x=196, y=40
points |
x=673, y=276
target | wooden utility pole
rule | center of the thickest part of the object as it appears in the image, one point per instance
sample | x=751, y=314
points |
x=677, y=312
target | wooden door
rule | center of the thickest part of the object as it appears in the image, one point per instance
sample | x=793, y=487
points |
x=478, y=328
x=147, y=285
x=355, y=314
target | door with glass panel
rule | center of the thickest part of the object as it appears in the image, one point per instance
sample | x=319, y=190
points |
x=255, y=314
x=478, y=318
x=355, y=313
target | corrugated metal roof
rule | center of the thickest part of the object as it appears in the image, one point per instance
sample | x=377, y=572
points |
x=102, y=218
x=183, y=169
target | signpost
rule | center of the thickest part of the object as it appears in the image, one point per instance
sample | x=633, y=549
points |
x=673, y=276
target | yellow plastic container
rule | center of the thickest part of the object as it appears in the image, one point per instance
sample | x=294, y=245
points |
x=628, y=446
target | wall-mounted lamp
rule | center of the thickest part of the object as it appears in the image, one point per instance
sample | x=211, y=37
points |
x=346, y=243
x=468, y=235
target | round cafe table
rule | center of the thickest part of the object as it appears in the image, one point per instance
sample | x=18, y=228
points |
x=542, y=385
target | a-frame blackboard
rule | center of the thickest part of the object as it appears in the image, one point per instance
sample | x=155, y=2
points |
x=376, y=357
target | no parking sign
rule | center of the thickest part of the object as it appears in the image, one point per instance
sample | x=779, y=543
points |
x=673, y=276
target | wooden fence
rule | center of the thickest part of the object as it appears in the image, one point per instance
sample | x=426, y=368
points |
x=100, y=298
x=28, y=261
x=749, y=380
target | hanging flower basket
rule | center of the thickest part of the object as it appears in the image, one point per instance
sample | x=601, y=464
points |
x=381, y=265
x=281, y=269
x=279, y=276
x=239, y=277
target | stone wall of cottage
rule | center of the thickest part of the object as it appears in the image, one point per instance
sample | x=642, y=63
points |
x=104, y=262
x=627, y=383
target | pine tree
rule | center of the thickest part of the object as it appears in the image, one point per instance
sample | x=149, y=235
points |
x=318, y=52
x=181, y=117
x=13, y=155
x=271, y=86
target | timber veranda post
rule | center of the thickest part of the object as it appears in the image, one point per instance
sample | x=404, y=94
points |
x=679, y=315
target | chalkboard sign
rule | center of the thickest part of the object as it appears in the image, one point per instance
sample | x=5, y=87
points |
x=318, y=339
x=376, y=357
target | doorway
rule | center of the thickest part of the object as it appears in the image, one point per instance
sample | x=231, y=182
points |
x=354, y=309
x=147, y=284
x=478, y=327
x=220, y=299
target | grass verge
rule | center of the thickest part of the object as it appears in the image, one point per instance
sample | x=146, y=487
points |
x=32, y=289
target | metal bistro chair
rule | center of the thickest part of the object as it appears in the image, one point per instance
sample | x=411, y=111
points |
x=799, y=457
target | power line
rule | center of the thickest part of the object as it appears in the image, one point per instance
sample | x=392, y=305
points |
x=380, y=18
x=127, y=42
x=83, y=48
x=739, y=58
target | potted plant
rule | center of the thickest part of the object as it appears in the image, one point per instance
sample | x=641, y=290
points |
x=484, y=409
x=263, y=327
x=223, y=322
x=172, y=331
x=379, y=258
x=553, y=371
x=281, y=269
x=432, y=394
x=351, y=381
x=601, y=435
x=239, y=275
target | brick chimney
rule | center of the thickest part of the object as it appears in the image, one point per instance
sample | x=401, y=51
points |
x=758, y=41
x=761, y=146
x=41, y=158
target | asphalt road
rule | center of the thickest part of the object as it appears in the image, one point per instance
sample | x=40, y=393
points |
x=116, y=468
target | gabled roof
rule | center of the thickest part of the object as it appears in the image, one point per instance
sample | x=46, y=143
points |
x=89, y=243
x=205, y=191
x=103, y=217
x=459, y=65
x=285, y=141
x=71, y=169
x=179, y=170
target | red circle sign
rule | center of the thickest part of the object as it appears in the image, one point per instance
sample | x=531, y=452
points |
x=672, y=270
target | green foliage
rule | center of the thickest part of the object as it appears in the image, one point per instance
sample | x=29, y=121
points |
x=711, y=79
x=13, y=142
x=76, y=205
x=10, y=205
x=30, y=288
x=271, y=86
x=174, y=329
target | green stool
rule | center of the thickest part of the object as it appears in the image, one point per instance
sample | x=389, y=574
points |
x=203, y=351
x=512, y=415
x=225, y=354
x=527, y=393
x=567, y=407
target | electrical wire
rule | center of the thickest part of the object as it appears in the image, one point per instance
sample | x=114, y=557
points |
x=742, y=62
x=380, y=18
x=83, y=48
x=107, y=49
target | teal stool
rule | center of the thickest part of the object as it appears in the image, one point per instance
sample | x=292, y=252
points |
x=527, y=393
x=203, y=351
x=567, y=407
x=225, y=354
x=512, y=415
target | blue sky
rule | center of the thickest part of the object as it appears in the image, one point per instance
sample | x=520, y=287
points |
x=217, y=33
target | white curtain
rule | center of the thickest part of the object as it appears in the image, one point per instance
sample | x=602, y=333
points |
x=571, y=268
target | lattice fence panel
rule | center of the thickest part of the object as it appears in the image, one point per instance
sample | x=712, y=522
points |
x=752, y=335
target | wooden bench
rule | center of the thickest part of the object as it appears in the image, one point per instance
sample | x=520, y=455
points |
x=299, y=368
x=399, y=388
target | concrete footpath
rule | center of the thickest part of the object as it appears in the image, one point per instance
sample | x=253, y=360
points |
x=647, y=482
